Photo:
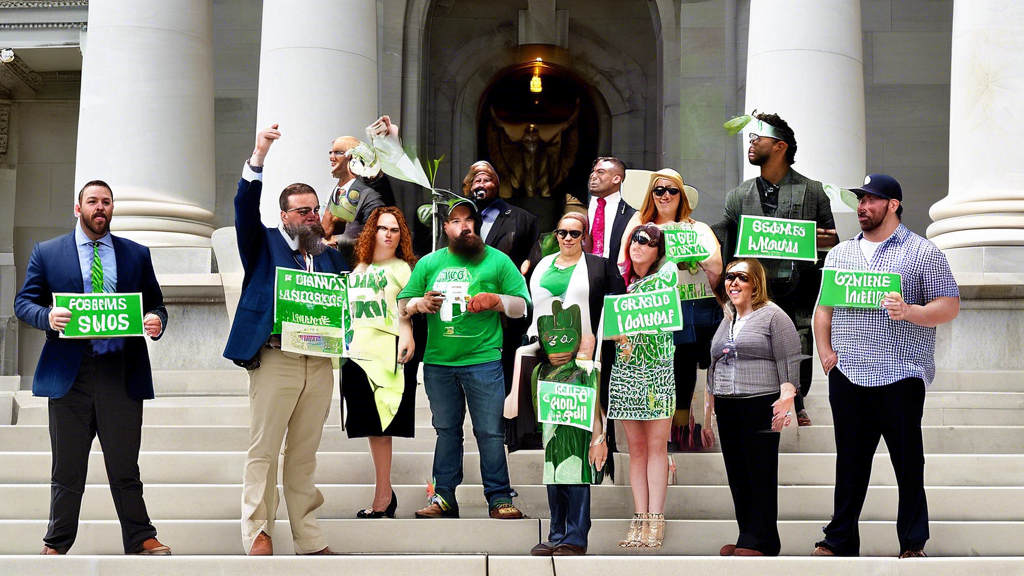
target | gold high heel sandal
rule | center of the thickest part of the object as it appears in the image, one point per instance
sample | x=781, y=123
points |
x=653, y=531
x=635, y=532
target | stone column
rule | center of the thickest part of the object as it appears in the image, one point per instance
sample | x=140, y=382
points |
x=146, y=120
x=805, y=62
x=318, y=80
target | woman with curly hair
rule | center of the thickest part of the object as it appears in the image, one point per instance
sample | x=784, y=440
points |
x=375, y=386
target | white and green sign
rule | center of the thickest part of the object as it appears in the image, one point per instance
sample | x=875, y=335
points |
x=366, y=303
x=684, y=246
x=856, y=288
x=101, y=315
x=568, y=404
x=781, y=238
x=308, y=299
x=655, y=311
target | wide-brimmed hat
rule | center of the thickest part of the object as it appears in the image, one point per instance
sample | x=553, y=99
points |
x=670, y=174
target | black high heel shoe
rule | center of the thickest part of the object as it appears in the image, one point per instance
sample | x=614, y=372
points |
x=389, y=512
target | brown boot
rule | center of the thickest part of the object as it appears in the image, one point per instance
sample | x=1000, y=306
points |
x=153, y=547
x=746, y=552
x=727, y=550
x=47, y=551
x=262, y=545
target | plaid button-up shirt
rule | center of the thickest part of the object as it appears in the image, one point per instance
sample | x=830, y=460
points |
x=872, y=349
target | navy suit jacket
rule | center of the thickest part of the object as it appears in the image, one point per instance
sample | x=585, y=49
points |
x=262, y=250
x=54, y=267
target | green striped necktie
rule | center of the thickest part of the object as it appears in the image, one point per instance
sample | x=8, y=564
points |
x=97, y=268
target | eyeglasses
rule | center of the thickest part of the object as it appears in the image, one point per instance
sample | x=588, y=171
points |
x=756, y=137
x=304, y=211
x=386, y=230
x=573, y=233
x=333, y=153
x=660, y=191
x=644, y=240
x=733, y=276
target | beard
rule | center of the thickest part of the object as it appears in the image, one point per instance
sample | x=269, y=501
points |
x=758, y=159
x=97, y=229
x=310, y=237
x=467, y=244
x=871, y=223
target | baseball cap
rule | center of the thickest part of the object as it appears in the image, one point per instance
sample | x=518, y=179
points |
x=880, y=185
x=454, y=203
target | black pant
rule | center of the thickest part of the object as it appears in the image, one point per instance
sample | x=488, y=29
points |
x=751, y=453
x=570, y=514
x=97, y=404
x=862, y=415
x=799, y=306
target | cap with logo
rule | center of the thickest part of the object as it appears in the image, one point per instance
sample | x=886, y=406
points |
x=881, y=185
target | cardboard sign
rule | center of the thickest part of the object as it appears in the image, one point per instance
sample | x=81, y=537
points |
x=684, y=246
x=779, y=238
x=857, y=288
x=568, y=404
x=655, y=311
x=101, y=315
x=308, y=299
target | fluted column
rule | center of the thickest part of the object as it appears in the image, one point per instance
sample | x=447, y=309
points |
x=805, y=62
x=985, y=204
x=318, y=80
x=146, y=118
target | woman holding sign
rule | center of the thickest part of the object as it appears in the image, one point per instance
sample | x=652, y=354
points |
x=692, y=245
x=755, y=359
x=379, y=392
x=642, y=389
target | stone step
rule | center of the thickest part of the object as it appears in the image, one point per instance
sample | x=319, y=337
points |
x=945, y=416
x=515, y=537
x=525, y=467
x=495, y=565
x=221, y=502
x=951, y=381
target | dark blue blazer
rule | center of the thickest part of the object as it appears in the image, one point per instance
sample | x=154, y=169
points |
x=54, y=267
x=262, y=250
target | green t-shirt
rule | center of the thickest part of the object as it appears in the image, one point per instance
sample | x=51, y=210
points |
x=556, y=280
x=456, y=337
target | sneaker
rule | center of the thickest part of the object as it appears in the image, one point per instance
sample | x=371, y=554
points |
x=913, y=554
x=506, y=511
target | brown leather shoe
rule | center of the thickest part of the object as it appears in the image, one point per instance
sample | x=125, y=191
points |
x=506, y=511
x=47, y=551
x=569, y=550
x=262, y=545
x=542, y=549
x=153, y=547
x=913, y=554
x=727, y=550
x=746, y=552
x=435, y=511
x=325, y=552
x=822, y=551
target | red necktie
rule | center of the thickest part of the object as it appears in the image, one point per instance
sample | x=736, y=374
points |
x=598, y=229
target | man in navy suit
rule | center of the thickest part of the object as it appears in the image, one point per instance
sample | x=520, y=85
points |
x=287, y=392
x=95, y=387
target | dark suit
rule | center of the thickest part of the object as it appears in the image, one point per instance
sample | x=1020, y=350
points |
x=92, y=390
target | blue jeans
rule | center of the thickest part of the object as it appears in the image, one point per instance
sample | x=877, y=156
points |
x=570, y=514
x=450, y=389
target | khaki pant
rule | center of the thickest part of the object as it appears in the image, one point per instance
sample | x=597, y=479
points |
x=287, y=392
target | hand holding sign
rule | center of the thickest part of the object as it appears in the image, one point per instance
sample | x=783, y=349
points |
x=152, y=324
x=895, y=305
x=483, y=302
x=59, y=318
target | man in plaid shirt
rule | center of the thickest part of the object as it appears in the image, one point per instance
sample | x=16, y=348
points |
x=879, y=362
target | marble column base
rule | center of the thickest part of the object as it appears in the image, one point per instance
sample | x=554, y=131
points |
x=985, y=338
x=988, y=271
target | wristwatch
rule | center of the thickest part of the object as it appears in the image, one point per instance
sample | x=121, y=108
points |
x=600, y=440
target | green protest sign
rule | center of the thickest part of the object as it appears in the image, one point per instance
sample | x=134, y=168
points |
x=762, y=237
x=101, y=315
x=308, y=299
x=684, y=246
x=655, y=311
x=366, y=303
x=856, y=288
x=562, y=403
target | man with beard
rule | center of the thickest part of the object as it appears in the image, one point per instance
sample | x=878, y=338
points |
x=95, y=387
x=464, y=289
x=879, y=362
x=287, y=392
x=781, y=192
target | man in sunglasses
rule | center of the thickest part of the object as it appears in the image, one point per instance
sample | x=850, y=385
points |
x=781, y=192
x=287, y=392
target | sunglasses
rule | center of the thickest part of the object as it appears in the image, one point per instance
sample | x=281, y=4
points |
x=305, y=210
x=733, y=276
x=661, y=190
x=572, y=233
x=644, y=240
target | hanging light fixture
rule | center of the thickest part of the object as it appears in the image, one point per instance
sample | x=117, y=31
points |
x=535, y=84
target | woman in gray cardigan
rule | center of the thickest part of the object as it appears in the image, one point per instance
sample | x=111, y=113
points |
x=755, y=359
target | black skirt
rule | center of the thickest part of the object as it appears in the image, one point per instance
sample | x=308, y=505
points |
x=361, y=417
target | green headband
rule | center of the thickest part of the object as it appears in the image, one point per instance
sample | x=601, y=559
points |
x=753, y=125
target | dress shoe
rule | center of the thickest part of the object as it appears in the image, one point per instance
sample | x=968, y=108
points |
x=506, y=511
x=727, y=550
x=262, y=546
x=746, y=552
x=436, y=511
x=388, y=512
x=153, y=547
x=47, y=551
x=325, y=552
x=822, y=551
x=542, y=549
x=913, y=554
x=569, y=550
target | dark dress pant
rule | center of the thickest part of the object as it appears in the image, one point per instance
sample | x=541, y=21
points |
x=862, y=415
x=570, y=514
x=751, y=453
x=97, y=405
